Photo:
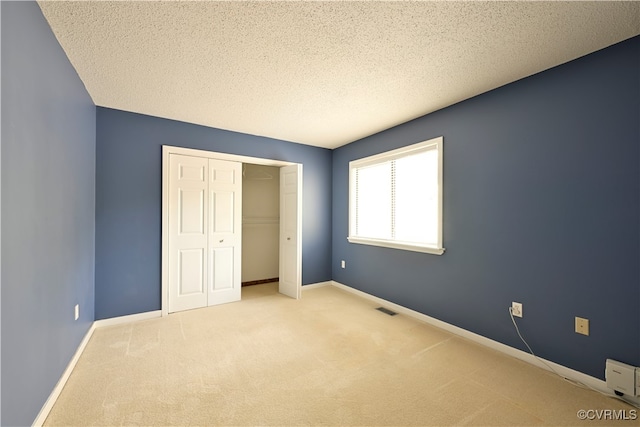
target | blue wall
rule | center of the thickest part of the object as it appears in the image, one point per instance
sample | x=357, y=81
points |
x=128, y=202
x=48, y=214
x=541, y=206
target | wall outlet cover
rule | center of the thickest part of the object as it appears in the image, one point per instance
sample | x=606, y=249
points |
x=582, y=326
x=516, y=309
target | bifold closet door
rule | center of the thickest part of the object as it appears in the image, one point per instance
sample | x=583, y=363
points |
x=205, y=214
x=188, y=232
x=225, y=231
x=290, y=231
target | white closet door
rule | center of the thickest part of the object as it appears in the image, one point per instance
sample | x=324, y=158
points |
x=290, y=231
x=188, y=228
x=225, y=231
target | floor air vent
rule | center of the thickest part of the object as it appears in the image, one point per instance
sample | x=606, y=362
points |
x=386, y=311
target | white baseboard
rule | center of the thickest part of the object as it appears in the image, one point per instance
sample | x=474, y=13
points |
x=128, y=319
x=589, y=381
x=316, y=285
x=44, y=412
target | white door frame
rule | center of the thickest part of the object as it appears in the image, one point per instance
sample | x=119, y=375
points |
x=166, y=151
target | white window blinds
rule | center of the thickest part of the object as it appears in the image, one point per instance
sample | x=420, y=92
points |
x=396, y=198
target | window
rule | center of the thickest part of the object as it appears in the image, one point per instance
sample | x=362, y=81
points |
x=395, y=198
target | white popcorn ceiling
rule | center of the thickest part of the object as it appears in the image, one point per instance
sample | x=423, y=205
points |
x=319, y=73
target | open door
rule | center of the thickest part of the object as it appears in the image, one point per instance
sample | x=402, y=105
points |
x=291, y=231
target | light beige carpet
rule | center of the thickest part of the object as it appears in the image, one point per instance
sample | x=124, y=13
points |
x=327, y=359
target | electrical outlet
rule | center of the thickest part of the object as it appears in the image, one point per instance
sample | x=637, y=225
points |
x=516, y=309
x=76, y=312
x=343, y=264
x=582, y=326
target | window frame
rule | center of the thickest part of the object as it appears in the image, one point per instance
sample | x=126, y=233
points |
x=431, y=144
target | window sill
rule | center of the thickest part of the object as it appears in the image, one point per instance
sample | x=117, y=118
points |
x=397, y=245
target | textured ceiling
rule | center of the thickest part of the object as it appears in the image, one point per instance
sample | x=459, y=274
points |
x=319, y=73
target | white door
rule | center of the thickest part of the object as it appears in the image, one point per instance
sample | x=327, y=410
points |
x=205, y=214
x=188, y=193
x=225, y=228
x=290, y=231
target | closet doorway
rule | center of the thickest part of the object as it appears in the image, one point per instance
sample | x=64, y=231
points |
x=201, y=213
x=260, y=224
